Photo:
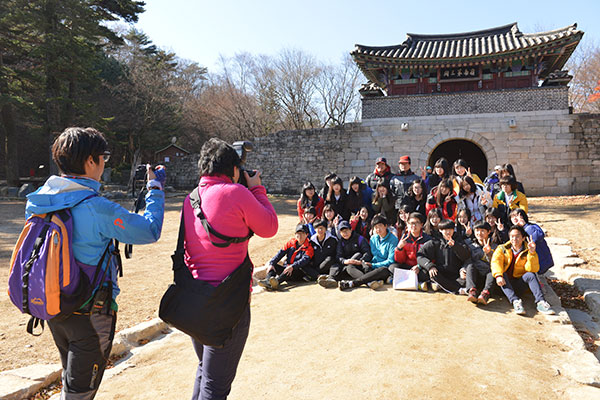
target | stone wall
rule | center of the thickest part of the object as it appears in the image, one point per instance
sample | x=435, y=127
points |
x=183, y=173
x=586, y=134
x=553, y=152
x=489, y=101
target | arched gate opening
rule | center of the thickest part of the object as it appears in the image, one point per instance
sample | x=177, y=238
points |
x=452, y=150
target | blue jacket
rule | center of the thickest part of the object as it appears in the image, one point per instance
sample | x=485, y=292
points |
x=541, y=247
x=383, y=250
x=97, y=220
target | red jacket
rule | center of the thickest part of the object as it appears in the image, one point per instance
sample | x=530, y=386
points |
x=448, y=208
x=360, y=227
x=296, y=255
x=408, y=254
x=318, y=207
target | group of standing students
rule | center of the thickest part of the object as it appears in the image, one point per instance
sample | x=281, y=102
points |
x=457, y=233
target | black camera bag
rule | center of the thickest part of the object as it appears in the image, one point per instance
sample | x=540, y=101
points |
x=206, y=313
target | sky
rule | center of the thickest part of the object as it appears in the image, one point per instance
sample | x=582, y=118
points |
x=202, y=31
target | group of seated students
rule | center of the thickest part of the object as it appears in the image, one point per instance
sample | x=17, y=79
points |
x=456, y=233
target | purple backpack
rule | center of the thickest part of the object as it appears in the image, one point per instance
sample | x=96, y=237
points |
x=45, y=280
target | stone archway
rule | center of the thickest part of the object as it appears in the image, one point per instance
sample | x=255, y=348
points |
x=460, y=144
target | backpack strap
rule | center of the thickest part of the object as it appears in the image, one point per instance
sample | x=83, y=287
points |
x=196, y=203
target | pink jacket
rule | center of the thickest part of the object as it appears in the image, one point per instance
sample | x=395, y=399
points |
x=231, y=209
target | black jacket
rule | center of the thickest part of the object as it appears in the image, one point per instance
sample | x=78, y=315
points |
x=340, y=205
x=414, y=204
x=356, y=244
x=323, y=250
x=449, y=260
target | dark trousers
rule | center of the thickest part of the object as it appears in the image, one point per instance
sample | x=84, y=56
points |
x=360, y=277
x=422, y=276
x=84, y=343
x=340, y=271
x=448, y=280
x=217, y=366
x=296, y=275
x=325, y=265
x=479, y=271
x=513, y=285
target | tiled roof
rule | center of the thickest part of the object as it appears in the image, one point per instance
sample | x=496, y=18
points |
x=495, y=41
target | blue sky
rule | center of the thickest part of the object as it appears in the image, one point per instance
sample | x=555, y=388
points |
x=202, y=30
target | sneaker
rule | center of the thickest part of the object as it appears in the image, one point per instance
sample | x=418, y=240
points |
x=423, y=286
x=472, y=295
x=518, y=306
x=483, y=298
x=375, y=284
x=328, y=283
x=274, y=283
x=390, y=280
x=435, y=286
x=463, y=291
x=344, y=285
x=545, y=308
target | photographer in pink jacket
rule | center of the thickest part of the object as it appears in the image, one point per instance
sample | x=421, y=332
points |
x=232, y=210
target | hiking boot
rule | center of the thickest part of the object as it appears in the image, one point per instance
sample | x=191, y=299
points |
x=265, y=284
x=345, y=285
x=483, y=297
x=423, y=286
x=518, y=306
x=435, y=286
x=463, y=291
x=274, y=282
x=328, y=283
x=472, y=295
x=375, y=284
x=545, y=308
x=322, y=278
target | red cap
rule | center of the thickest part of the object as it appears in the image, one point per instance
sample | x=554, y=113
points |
x=404, y=159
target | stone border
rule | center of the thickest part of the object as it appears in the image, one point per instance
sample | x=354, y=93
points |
x=26, y=381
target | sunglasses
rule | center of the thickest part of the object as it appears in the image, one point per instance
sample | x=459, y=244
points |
x=106, y=156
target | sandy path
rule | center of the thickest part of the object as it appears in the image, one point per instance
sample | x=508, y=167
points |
x=313, y=343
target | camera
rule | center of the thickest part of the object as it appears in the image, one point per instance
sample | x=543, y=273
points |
x=242, y=148
x=140, y=172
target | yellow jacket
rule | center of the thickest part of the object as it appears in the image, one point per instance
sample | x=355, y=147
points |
x=527, y=262
x=520, y=201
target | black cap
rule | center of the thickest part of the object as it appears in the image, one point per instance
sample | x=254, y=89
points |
x=301, y=228
x=344, y=225
x=381, y=159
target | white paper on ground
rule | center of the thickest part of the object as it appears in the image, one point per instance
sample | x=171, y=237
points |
x=405, y=279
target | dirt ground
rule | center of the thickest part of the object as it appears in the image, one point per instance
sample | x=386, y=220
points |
x=312, y=343
x=576, y=218
x=400, y=333
x=146, y=276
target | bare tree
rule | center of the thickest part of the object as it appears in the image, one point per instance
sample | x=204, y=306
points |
x=585, y=68
x=338, y=90
x=295, y=80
